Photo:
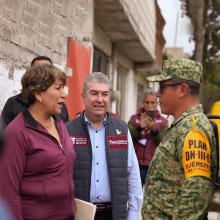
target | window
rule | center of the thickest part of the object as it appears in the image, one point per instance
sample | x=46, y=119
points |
x=100, y=62
x=121, y=83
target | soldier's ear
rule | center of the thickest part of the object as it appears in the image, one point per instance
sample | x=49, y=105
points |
x=183, y=90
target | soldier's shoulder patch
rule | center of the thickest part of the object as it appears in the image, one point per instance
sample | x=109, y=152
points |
x=196, y=158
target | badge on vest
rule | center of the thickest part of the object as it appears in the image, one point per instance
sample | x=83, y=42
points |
x=73, y=139
x=196, y=154
x=138, y=121
x=80, y=141
x=118, y=132
x=118, y=142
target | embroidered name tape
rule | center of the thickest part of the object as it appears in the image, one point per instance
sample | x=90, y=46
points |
x=118, y=142
x=80, y=141
x=196, y=154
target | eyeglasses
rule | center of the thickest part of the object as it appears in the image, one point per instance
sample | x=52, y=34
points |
x=172, y=84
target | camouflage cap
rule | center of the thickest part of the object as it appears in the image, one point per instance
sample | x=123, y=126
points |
x=179, y=68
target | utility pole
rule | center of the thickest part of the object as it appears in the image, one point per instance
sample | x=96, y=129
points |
x=176, y=31
x=199, y=32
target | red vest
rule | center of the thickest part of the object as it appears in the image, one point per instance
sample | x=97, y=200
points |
x=145, y=152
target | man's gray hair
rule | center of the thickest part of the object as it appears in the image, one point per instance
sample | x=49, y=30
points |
x=97, y=77
x=149, y=92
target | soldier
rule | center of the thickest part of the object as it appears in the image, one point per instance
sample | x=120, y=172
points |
x=181, y=176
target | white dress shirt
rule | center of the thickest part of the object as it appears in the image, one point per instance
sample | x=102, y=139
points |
x=100, y=188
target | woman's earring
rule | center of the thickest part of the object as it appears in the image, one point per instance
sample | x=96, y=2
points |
x=40, y=100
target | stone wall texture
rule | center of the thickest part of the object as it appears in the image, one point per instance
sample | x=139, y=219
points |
x=30, y=28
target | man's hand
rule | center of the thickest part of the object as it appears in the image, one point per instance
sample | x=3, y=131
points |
x=151, y=124
x=143, y=120
x=147, y=122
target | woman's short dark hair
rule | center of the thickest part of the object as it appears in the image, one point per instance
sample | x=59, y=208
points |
x=38, y=79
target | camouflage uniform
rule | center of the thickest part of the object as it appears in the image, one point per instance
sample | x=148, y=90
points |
x=168, y=194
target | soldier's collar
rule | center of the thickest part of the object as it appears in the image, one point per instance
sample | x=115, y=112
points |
x=191, y=110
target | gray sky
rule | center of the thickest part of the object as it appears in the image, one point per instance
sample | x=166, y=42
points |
x=170, y=9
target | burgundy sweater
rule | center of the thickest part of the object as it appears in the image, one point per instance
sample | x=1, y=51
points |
x=36, y=175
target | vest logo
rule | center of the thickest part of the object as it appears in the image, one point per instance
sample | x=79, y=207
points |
x=73, y=139
x=118, y=132
x=80, y=141
x=138, y=121
x=118, y=142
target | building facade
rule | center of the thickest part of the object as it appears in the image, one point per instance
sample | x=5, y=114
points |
x=30, y=28
x=128, y=43
x=125, y=37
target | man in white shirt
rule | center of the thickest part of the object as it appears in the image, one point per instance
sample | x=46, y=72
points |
x=106, y=171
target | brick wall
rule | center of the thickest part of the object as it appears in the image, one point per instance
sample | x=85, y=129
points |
x=29, y=28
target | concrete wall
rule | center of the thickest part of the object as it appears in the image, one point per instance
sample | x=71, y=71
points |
x=142, y=16
x=29, y=28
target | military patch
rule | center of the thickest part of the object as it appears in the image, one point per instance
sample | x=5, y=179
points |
x=196, y=154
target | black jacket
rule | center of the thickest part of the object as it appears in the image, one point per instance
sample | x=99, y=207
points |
x=116, y=157
x=15, y=105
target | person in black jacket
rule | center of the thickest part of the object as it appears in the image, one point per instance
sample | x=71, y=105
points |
x=15, y=104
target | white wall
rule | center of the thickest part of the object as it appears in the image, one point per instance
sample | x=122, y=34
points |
x=9, y=86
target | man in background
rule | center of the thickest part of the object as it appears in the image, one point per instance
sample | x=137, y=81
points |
x=147, y=132
x=15, y=104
